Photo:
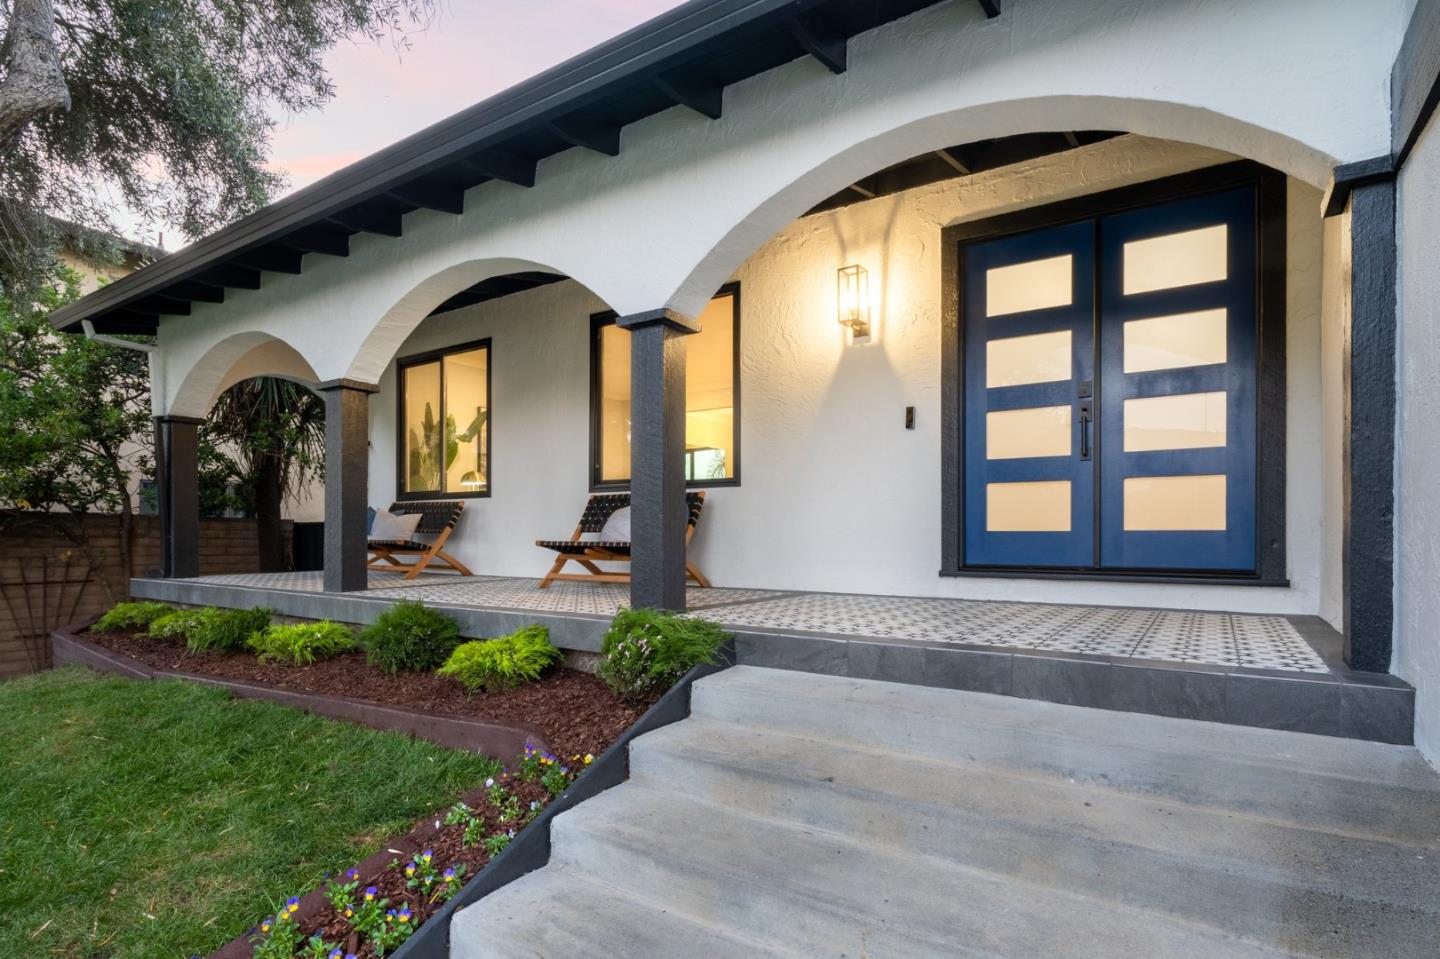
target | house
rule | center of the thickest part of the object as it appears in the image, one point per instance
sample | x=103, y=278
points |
x=1122, y=304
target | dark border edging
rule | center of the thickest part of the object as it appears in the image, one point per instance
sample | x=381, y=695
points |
x=531, y=848
x=498, y=740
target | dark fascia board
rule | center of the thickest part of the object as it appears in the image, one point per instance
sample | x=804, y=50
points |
x=665, y=42
x=1415, y=80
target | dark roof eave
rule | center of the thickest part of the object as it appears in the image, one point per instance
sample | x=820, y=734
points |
x=554, y=92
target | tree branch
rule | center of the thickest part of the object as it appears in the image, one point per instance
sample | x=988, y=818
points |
x=33, y=83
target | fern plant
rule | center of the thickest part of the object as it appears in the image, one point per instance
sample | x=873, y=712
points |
x=503, y=663
x=131, y=617
x=225, y=629
x=300, y=644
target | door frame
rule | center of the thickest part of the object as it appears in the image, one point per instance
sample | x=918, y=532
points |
x=1270, y=189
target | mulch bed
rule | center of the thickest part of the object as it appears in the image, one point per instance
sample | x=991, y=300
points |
x=575, y=711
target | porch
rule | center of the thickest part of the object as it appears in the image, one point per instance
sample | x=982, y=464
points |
x=1274, y=671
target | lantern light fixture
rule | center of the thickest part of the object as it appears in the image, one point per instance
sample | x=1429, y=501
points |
x=853, y=299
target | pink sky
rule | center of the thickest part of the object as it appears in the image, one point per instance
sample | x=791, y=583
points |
x=475, y=48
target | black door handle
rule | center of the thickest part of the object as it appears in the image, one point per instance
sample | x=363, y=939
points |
x=1085, y=418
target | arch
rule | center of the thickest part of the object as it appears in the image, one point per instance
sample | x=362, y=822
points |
x=233, y=359
x=1157, y=119
x=383, y=340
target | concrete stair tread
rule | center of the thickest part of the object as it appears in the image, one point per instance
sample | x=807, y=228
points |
x=1378, y=763
x=1388, y=790
x=1261, y=878
x=824, y=894
x=557, y=913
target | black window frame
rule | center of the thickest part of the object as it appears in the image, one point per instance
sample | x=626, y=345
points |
x=402, y=495
x=599, y=321
x=1271, y=317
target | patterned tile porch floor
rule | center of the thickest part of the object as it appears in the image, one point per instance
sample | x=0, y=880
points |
x=1215, y=639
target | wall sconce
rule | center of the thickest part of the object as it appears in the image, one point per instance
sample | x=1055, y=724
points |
x=853, y=300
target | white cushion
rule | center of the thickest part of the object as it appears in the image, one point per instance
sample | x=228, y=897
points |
x=389, y=526
x=617, y=527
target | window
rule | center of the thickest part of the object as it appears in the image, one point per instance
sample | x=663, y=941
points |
x=712, y=388
x=444, y=441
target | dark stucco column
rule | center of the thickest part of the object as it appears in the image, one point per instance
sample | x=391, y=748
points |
x=657, y=458
x=347, y=482
x=1369, y=471
x=177, y=485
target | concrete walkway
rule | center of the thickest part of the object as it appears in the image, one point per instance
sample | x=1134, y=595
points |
x=804, y=815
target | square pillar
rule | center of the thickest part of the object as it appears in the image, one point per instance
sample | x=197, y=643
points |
x=347, y=482
x=658, y=517
x=177, y=487
x=1369, y=468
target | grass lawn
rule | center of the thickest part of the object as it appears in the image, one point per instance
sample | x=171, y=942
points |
x=157, y=819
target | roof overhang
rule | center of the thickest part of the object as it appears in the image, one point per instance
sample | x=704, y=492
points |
x=685, y=57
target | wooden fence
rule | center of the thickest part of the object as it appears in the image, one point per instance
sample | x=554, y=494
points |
x=47, y=580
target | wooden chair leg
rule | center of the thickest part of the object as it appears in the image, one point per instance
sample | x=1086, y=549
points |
x=694, y=572
x=419, y=565
x=560, y=562
x=458, y=566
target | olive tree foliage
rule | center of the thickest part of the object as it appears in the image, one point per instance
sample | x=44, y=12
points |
x=164, y=106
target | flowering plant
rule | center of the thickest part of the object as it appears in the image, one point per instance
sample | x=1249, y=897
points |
x=278, y=936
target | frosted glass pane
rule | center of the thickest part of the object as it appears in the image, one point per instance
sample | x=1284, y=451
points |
x=1018, y=360
x=1036, y=285
x=1039, y=507
x=1184, y=421
x=1175, y=503
x=1177, y=259
x=1035, y=431
x=1174, y=342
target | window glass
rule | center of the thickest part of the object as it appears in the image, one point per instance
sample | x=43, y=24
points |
x=1176, y=259
x=1167, y=503
x=1033, y=431
x=467, y=421
x=1041, y=506
x=1035, y=285
x=421, y=391
x=1176, y=342
x=710, y=379
x=1182, y=421
x=1020, y=360
x=445, y=428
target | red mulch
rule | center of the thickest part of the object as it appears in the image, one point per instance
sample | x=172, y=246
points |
x=575, y=711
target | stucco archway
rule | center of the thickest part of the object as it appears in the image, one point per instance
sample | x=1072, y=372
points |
x=233, y=359
x=400, y=320
x=776, y=203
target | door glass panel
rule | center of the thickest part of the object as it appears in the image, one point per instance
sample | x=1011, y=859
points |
x=1020, y=360
x=1176, y=259
x=1175, y=342
x=1175, y=502
x=1037, y=431
x=1036, y=285
x=1184, y=421
x=1036, y=507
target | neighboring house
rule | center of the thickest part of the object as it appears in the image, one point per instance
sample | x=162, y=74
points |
x=1089, y=301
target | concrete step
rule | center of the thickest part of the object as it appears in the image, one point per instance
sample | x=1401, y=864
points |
x=826, y=895
x=1314, y=890
x=1362, y=788
x=558, y=913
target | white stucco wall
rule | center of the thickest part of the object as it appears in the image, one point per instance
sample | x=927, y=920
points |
x=1296, y=84
x=835, y=493
x=1417, y=554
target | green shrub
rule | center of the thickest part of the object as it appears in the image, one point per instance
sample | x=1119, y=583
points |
x=644, y=651
x=300, y=644
x=225, y=629
x=502, y=663
x=131, y=617
x=409, y=635
x=176, y=625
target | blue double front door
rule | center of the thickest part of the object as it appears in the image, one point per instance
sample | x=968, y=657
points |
x=1110, y=383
